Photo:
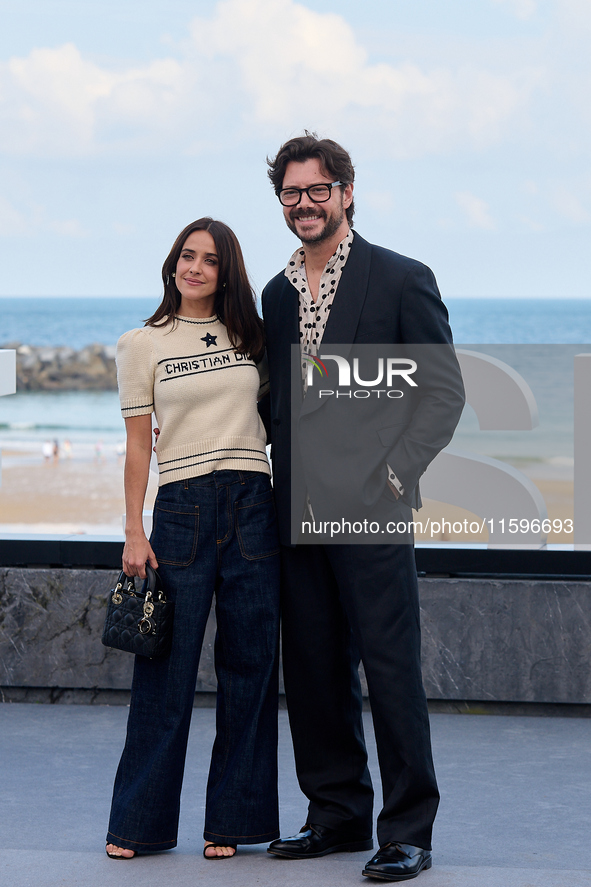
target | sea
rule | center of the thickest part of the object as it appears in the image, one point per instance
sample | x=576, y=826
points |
x=530, y=334
x=87, y=421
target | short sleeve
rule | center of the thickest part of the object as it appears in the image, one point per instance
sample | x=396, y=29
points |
x=135, y=373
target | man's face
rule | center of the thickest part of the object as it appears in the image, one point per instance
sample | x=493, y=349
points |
x=315, y=222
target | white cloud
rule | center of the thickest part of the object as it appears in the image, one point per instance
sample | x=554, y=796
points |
x=575, y=14
x=532, y=224
x=67, y=228
x=34, y=219
x=50, y=98
x=12, y=221
x=476, y=210
x=56, y=102
x=522, y=9
x=252, y=67
x=570, y=206
x=292, y=73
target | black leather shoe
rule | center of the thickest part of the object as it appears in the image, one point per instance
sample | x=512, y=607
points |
x=398, y=862
x=318, y=840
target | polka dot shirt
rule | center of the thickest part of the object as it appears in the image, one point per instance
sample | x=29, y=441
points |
x=313, y=316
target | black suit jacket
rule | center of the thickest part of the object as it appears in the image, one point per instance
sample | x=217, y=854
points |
x=382, y=298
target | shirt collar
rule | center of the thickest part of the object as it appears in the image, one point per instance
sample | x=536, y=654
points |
x=297, y=261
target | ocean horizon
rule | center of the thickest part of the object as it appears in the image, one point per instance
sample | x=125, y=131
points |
x=85, y=417
x=67, y=321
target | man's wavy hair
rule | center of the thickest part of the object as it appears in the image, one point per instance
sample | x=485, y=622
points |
x=334, y=160
x=234, y=300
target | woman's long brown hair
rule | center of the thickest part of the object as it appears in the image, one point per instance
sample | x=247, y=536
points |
x=234, y=300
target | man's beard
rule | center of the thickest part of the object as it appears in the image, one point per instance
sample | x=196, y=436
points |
x=331, y=226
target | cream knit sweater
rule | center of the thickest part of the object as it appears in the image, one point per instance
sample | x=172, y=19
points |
x=203, y=392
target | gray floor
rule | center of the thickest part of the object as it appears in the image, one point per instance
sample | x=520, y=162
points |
x=515, y=811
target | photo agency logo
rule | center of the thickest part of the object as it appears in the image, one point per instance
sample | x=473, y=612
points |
x=349, y=377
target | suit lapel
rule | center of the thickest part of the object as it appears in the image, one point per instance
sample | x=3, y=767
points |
x=287, y=334
x=287, y=329
x=350, y=296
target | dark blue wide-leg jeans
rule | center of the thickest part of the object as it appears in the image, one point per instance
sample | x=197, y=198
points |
x=212, y=534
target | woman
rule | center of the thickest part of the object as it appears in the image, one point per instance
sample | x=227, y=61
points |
x=194, y=364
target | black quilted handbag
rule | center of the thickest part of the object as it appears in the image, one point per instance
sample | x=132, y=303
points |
x=139, y=621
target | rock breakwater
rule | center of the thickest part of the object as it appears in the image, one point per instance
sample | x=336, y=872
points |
x=64, y=369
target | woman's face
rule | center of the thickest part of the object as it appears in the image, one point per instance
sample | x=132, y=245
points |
x=197, y=275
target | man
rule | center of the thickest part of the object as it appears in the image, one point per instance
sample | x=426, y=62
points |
x=345, y=601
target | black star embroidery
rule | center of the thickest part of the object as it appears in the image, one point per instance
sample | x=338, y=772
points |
x=210, y=340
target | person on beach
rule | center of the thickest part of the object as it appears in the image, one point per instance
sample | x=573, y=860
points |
x=345, y=601
x=198, y=364
x=47, y=450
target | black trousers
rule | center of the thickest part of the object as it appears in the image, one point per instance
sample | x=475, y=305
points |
x=339, y=603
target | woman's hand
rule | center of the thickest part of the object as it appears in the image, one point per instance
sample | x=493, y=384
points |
x=136, y=552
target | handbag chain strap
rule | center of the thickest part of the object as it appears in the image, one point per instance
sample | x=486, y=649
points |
x=130, y=589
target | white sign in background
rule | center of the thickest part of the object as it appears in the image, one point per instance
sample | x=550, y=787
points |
x=7, y=380
x=494, y=490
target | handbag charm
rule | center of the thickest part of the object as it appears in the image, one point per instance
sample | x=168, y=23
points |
x=139, y=622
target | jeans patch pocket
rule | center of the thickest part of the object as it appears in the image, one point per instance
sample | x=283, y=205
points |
x=175, y=532
x=256, y=527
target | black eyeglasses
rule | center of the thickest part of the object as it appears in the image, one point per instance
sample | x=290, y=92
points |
x=316, y=193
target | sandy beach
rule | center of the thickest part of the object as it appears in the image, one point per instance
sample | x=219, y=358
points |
x=85, y=495
x=558, y=496
x=69, y=496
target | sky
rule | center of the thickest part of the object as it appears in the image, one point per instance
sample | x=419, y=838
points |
x=469, y=123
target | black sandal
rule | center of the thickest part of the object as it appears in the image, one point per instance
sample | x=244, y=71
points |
x=214, y=844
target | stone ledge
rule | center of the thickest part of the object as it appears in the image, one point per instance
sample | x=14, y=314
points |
x=489, y=641
x=507, y=640
x=51, y=622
